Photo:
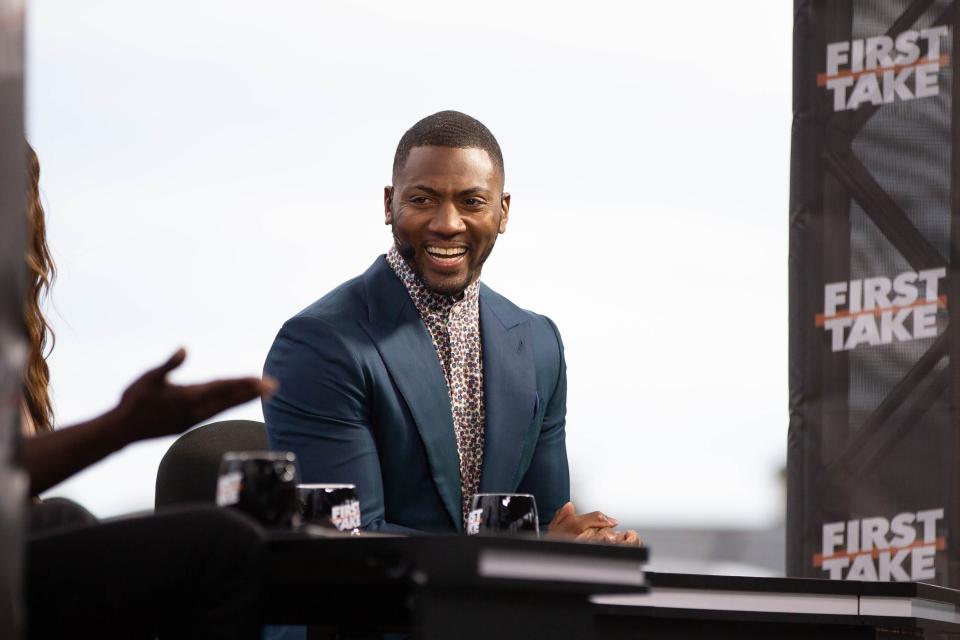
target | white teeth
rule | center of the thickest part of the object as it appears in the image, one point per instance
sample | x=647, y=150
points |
x=446, y=252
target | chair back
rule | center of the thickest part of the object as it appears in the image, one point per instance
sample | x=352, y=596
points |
x=189, y=469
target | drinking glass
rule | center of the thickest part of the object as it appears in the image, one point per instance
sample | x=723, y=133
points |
x=503, y=514
x=333, y=506
x=262, y=484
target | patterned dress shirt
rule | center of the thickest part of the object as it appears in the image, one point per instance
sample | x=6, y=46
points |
x=454, y=327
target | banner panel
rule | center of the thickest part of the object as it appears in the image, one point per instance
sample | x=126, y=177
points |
x=872, y=442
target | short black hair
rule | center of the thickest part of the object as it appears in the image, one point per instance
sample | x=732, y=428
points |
x=448, y=129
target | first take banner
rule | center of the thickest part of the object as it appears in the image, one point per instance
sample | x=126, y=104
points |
x=874, y=454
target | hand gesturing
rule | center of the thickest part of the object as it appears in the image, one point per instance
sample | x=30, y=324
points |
x=152, y=406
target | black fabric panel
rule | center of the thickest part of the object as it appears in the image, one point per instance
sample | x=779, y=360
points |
x=13, y=485
x=872, y=439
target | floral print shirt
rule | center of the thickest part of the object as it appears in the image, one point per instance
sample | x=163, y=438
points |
x=454, y=327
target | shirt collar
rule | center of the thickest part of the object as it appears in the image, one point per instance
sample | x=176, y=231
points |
x=425, y=300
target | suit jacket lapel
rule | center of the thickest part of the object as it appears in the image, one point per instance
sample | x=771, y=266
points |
x=408, y=352
x=510, y=391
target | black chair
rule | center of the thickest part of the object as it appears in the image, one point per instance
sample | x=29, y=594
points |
x=189, y=469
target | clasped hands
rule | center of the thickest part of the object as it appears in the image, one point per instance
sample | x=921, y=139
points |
x=589, y=527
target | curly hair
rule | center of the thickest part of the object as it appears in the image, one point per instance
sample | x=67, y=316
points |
x=41, y=272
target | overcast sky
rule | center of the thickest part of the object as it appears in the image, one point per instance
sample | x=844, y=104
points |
x=210, y=168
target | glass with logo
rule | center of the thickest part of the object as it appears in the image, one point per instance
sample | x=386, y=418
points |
x=332, y=506
x=503, y=514
x=261, y=484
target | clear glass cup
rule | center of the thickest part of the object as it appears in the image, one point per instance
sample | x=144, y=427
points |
x=503, y=514
x=332, y=506
x=261, y=484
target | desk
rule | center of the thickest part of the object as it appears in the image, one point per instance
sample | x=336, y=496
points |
x=455, y=587
x=694, y=606
x=450, y=587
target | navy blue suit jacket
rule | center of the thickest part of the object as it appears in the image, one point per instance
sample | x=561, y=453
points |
x=362, y=399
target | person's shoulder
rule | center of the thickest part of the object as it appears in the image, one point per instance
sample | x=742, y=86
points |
x=330, y=325
x=342, y=305
x=511, y=314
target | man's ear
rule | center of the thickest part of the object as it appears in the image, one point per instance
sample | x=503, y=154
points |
x=504, y=211
x=388, y=205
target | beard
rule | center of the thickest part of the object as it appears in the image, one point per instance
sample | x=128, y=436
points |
x=453, y=285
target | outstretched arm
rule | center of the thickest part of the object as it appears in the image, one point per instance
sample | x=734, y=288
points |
x=150, y=407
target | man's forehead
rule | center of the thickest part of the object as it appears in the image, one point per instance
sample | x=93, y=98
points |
x=449, y=165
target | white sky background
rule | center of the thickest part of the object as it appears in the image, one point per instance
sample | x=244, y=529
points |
x=210, y=168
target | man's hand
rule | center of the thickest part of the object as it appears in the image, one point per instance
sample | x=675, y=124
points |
x=152, y=406
x=567, y=523
x=589, y=527
x=627, y=538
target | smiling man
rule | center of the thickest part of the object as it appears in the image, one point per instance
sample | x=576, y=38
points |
x=416, y=382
